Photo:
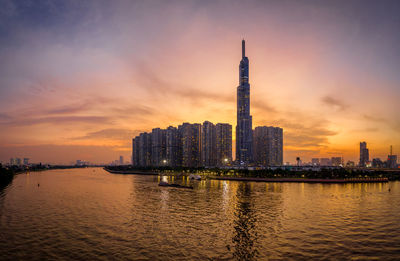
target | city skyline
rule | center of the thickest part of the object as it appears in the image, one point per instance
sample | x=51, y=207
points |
x=79, y=80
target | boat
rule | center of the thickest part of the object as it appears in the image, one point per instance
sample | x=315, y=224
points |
x=166, y=184
x=195, y=177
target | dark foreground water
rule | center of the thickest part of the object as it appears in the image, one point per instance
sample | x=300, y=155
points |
x=89, y=214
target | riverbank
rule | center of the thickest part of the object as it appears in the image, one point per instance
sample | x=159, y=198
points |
x=304, y=180
x=6, y=177
x=131, y=172
x=7, y=173
x=338, y=175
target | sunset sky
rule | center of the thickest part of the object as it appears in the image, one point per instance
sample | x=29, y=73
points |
x=80, y=79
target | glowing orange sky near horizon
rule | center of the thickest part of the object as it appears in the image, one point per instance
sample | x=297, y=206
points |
x=311, y=73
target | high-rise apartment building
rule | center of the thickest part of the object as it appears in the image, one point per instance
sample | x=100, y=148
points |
x=223, y=133
x=191, y=144
x=158, y=147
x=173, y=147
x=364, y=154
x=135, y=151
x=244, y=133
x=268, y=146
x=145, y=149
x=208, y=145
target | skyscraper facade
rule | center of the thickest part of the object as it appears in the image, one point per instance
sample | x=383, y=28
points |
x=364, y=154
x=173, y=148
x=145, y=149
x=135, y=151
x=223, y=133
x=208, y=144
x=158, y=147
x=244, y=133
x=268, y=146
x=191, y=144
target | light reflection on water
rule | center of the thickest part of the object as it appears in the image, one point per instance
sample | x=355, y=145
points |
x=91, y=214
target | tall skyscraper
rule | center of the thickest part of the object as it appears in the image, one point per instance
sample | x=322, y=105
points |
x=244, y=133
x=364, y=154
x=208, y=144
x=223, y=138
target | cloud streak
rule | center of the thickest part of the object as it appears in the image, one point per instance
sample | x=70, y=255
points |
x=335, y=103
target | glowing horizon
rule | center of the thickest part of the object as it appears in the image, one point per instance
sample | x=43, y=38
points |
x=80, y=80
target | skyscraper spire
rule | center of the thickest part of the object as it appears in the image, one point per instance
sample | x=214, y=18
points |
x=243, y=48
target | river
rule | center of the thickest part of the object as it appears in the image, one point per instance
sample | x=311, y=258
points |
x=89, y=214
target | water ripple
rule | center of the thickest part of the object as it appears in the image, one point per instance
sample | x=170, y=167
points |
x=88, y=214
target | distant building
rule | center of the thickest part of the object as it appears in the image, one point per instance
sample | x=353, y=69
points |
x=223, y=144
x=12, y=161
x=325, y=162
x=26, y=161
x=81, y=163
x=364, y=154
x=337, y=161
x=121, y=160
x=18, y=162
x=377, y=163
x=392, y=161
x=315, y=161
x=208, y=144
x=350, y=163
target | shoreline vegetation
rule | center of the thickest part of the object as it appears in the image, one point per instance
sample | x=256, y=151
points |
x=336, y=175
x=6, y=177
